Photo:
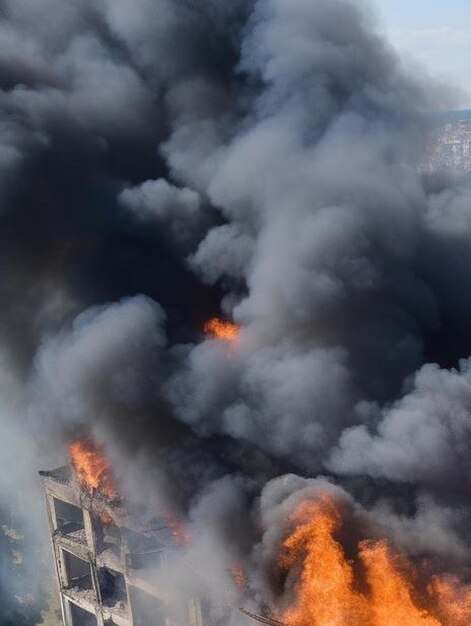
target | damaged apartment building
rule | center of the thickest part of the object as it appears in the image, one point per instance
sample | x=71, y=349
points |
x=103, y=557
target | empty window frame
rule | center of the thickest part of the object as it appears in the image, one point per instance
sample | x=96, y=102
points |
x=145, y=551
x=112, y=587
x=78, y=572
x=69, y=517
x=108, y=537
x=146, y=609
x=81, y=617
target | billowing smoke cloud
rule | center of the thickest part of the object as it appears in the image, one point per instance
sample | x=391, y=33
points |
x=165, y=161
x=438, y=406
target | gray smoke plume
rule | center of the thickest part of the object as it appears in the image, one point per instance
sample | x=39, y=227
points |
x=165, y=161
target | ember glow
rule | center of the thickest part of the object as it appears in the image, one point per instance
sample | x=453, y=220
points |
x=180, y=533
x=91, y=467
x=377, y=588
x=105, y=518
x=238, y=575
x=221, y=329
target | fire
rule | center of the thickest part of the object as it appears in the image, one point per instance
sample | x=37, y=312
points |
x=221, y=329
x=391, y=601
x=238, y=574
x=377, y=588
x=453, y=600
x=91, y=467
x=180, y=533
x=105, y=518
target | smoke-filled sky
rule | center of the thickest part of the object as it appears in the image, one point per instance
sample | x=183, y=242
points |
x=165, y=161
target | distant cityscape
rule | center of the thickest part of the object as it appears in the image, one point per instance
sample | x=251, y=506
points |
x=450, y=143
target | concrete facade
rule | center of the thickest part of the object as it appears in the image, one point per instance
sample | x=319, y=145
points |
x=103, y=559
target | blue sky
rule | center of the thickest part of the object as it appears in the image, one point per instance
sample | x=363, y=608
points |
x=437, y=33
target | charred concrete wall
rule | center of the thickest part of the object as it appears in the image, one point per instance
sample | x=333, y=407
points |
x=104, y=559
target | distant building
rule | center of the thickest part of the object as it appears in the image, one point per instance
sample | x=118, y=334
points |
x=449, y=146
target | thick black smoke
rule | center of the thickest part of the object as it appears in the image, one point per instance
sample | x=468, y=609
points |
x=163, y=161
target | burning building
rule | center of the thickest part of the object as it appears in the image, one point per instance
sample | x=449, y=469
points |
x=221, y=260
x=330, y=564
x=104, y=558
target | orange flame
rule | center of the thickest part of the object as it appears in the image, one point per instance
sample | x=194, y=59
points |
x=91, y=467
x=180, y=533
x=453, y=600
x=105, y=518
x=221, y=329
x=377, y=588
x=238, y=574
